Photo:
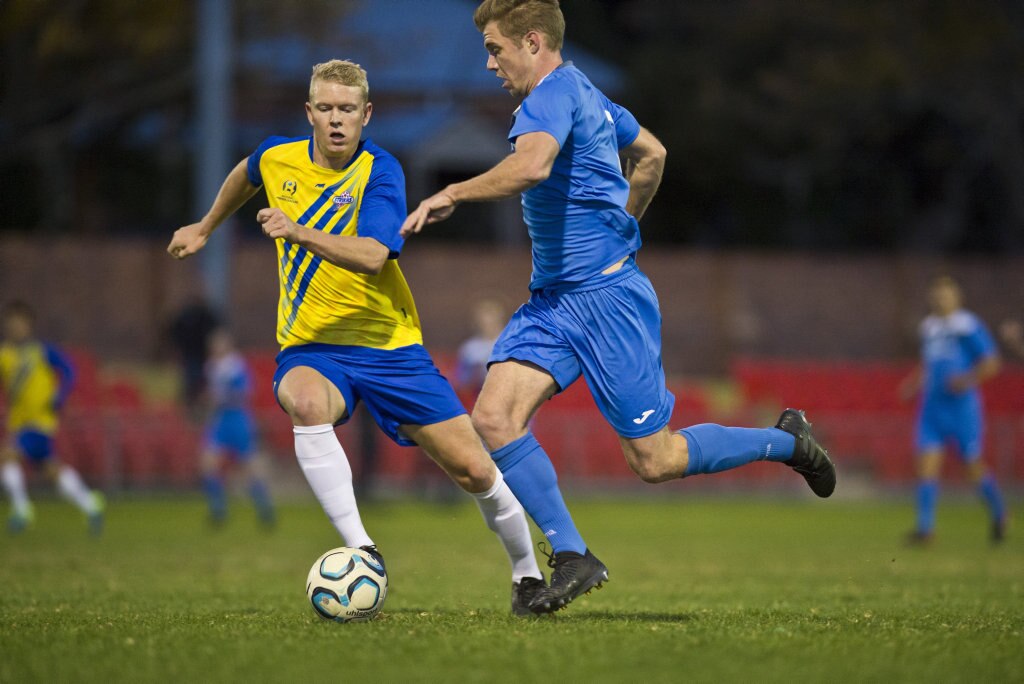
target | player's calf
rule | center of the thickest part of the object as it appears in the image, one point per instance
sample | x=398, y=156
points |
x=656, y=458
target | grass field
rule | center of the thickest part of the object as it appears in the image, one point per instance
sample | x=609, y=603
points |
x=706, y=590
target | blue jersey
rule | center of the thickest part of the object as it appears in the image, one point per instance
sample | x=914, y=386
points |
x=577, y=218
x=952, y=345
x=228, y=382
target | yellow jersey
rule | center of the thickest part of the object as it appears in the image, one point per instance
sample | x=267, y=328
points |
x=36, y=378
x=319, y=302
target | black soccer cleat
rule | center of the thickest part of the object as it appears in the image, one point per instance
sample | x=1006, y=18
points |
x=918, y=539
x=999, y=531
x=573, y=575
x=809, y=458
x=375, y=555
x=524, y=591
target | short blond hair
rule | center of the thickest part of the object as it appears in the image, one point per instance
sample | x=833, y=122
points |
x=340, y=71
x=516, y=18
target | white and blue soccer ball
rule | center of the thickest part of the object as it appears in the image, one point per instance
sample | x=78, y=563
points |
x=347, y=585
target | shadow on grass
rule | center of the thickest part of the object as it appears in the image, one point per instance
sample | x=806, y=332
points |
x=579, y=616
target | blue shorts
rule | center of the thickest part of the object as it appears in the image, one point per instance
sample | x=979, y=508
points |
x=34, y=446
x=232, y=430
x=608, y=331
x=958, y=422
x=399, y=386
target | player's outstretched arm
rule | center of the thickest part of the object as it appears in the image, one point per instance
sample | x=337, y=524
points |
x=983, y=370
x=645, y=163
x=1012, y=334
x=236, y=191
x=356, y=254
x=529, y=165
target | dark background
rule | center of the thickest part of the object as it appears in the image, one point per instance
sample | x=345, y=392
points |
x=867, y=125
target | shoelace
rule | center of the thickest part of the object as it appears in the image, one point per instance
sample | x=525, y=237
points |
x=558, y=563
x=544, y=550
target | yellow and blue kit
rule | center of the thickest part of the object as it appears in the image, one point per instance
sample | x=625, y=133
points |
x=36, y=380
x=361, y=331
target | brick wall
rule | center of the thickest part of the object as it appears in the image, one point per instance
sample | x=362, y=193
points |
x=115, y=297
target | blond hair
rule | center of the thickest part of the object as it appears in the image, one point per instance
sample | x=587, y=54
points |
x=340, y=71
x=516, y=18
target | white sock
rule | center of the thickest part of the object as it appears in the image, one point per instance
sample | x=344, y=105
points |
x=505, y=517
x=326, y=468
x=14, y=483
x=70, y=485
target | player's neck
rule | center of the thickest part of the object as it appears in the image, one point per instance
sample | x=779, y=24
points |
x=332, y=163
x=547, y=63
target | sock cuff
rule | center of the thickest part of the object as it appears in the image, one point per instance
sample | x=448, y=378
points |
x=499, y=480
x=513, y=452
x=694, y=456
x=312, y=429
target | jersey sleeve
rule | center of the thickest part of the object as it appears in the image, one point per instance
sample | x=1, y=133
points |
x=65, y=372
x=253, y=166
x=979, y=342
x=627, y=128
x=550, y=108
x=383, y=207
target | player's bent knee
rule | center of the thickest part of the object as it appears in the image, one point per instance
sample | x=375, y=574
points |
x=494, y=427
x=308, y=409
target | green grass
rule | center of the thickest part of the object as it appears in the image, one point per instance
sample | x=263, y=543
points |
x=707, y=590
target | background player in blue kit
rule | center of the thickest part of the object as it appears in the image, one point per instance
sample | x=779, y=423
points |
x=231, y=430
x=592, y=312
x=957, y=355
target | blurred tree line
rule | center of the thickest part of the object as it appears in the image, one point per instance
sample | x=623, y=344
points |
x=863, y=124
x=849, y=124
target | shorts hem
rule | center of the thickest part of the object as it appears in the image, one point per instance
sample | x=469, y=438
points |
x=540, y=363
x=643, y=433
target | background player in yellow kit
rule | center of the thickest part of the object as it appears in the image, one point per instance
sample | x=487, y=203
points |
x=346, y=321
x=36, y=380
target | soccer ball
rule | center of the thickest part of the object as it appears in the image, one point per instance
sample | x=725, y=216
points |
x=347, y=585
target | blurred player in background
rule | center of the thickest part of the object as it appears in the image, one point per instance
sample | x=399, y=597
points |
x=1012, y=334
x=347, y=323
x=592, y=312
x=190, y=332
x=36, y=379
x=471, y=367
x=231, y=431
x=957, y=356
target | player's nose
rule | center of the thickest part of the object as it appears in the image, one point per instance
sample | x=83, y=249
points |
x=492, y=63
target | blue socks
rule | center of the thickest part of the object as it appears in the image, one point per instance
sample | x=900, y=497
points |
x=531, y=477
x=261, y=499
x=214, y=490
x=990, y=494
x=714, y=448
x=927, y=494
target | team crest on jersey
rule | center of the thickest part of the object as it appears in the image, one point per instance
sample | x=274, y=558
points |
x=288, y=190
x=343, y=199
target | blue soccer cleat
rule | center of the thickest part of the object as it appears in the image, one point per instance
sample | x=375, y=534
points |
x=97, y=516
x=19, y=521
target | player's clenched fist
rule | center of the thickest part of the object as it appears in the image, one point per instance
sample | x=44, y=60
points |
x=276, y=224
x=188, y=240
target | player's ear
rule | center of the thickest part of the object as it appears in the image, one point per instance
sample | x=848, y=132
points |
x=367, y=112
x=532, y=42
x=309, y=113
